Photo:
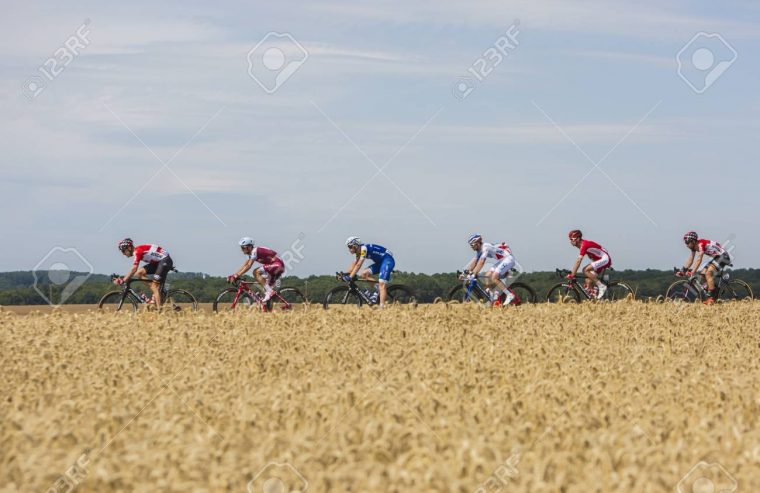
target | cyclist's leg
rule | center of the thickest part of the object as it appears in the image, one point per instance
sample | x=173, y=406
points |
x=709, y=273
x=158, y=278
x=501, y=271
x=273, y=271
x=591, y=278
x=384, y=277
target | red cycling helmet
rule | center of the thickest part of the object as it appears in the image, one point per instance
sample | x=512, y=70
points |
x=690, y=236
x=576, y=233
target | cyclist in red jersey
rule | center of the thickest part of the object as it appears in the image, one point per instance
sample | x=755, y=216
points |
x=600, y=261
x=700, y=247
x=158, y=264
x=272, y=266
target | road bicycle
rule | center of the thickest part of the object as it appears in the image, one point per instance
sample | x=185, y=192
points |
x=694, y=288
x=474, y=290
x=174, y=299
x=573, y=290
x=248, y=295
x=352, y=294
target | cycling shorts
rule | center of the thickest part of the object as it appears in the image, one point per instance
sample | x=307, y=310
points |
x=503, y=267
x=157, y=271
x=383, y=269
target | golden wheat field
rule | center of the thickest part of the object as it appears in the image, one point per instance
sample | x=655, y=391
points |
x=627, y=397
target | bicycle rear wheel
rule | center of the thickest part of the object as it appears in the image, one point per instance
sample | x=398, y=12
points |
x=525, y=293
x=179, y=300
x=735, y=290
x=400, y=294
x=617, y=291
x=115, y=301
x=459, y=294
x=342, y=295
x=563, y=293
x=683, y=291
x=288, y=299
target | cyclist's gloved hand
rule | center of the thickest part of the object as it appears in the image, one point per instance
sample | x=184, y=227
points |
x=347, y=278
x=119, y=281
x=570, y=277
x=232, y=278
x=681, y=273
x=690, y=274
x=470, y=277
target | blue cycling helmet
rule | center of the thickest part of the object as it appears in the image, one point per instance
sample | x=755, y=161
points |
x=474, y=239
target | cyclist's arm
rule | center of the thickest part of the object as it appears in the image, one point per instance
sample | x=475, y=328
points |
x=576, y=266
x=246, y=266
x=689, y=262
x=471, y=264
x=130, y=273
x=697, y=262
x=355, y=266
x=479, y=265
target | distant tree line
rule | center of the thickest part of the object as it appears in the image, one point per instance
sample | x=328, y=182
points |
x=17, y=288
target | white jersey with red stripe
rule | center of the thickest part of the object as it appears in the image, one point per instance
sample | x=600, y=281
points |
x=710, y=248
x=497, y=252
x=149, y=254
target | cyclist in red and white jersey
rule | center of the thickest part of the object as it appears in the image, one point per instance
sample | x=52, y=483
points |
x=600, y=261
x=158, y=264
x=504, y=262
x=699, y=247
x=272, y=266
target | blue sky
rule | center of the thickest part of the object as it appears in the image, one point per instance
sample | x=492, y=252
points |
x=83, y=159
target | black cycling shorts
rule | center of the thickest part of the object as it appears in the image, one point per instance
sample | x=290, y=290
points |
x=157, y=271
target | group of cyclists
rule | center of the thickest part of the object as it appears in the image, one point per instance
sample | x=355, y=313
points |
x=158, y=263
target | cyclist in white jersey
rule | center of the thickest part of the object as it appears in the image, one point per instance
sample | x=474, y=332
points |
x=504, y=262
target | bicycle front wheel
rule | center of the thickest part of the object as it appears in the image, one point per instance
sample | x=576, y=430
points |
x=563, y=293
x=288, y=299
x=342, y=295
x=617, y=291
x=524, y=293
x=459, y=294
x=400, y=294
x=224, y=301
x=735, y=290
x=179, y=300
x=115, y=301
x=682, y=291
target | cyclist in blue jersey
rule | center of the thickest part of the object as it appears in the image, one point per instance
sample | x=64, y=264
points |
x=382, y=267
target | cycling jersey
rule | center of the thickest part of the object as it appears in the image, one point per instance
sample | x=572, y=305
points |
x=594, y=250
x=711, y=248
x=264, y=256
x=375, y=253
x=150, y=254
x=497, y=252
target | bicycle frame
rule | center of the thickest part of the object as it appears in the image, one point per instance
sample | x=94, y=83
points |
x=696, y=281
x=353, y=288
x=243, y=287
x=477, y=286
x=575, y=283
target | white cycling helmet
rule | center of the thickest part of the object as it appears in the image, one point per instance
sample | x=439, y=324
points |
x=245, y=241
x=353, y=241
